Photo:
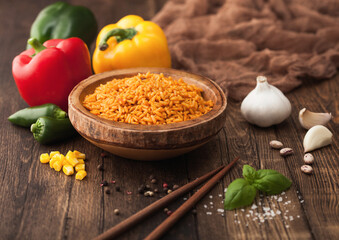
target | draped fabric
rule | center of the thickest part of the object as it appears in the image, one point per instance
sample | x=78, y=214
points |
x=233, y=41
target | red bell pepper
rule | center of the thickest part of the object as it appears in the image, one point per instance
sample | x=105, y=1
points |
x=47, y=73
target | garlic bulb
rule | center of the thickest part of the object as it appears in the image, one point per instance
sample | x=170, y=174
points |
x=309, y=119
x=265, y=105
x=317, y=137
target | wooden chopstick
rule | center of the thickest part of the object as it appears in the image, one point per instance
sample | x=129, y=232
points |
x=190, y=203
x=154, y=207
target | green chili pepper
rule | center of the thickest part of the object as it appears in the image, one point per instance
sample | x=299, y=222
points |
x=49, y=130
x=27, y=116
x=62, y=20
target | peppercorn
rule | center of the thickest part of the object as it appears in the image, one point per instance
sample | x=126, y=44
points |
x=141, y=189
x=175, y=187
x=149, y=194
x=156, y=190
x=103, y=155
x=116, y=211
x=165, y=185
x=108, y=191
x=100, y=167
x=169, y=212
x=154, y=181
x=117, y=188
x=165, y=210
x=169, y=191
x=104, y=183
x=147, y=187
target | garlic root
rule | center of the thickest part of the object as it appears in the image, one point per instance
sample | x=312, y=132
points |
x=317, y=137
x=309, y=119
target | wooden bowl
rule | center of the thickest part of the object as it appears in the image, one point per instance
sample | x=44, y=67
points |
x=147, y=142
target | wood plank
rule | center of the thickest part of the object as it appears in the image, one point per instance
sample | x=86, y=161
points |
x=319, y=191
x=129, y=175
x=39, y=203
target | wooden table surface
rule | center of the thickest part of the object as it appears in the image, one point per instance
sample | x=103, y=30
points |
x=39, y=203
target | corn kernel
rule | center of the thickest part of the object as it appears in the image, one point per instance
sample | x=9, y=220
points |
x=68, y=170
x=81, y=161
x=56, y=157
x=79, y=166
x=81, y=175
x=44, y=158
x=78, y=154
x=71, y=159
x=53, y=153
x=57, y=166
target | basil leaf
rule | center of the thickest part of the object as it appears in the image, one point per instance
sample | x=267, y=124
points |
x=249, y=173
x=271, y=181
x=239, y=193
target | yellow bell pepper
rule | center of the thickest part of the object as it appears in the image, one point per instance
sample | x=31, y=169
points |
x=131, y=42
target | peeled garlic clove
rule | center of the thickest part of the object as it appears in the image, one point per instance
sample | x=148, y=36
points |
x=309, y=119
x=317, y=137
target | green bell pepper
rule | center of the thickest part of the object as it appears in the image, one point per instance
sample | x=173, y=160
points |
x=61, y=20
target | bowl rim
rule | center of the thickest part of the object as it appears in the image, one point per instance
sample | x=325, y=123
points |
x=214, y=113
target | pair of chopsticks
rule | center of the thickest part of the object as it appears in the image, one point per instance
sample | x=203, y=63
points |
x=163, y=202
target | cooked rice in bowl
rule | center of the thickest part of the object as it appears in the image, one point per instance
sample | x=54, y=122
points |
x=147, y=99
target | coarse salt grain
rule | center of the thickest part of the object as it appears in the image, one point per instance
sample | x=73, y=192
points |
x=209, y=213
x=279, y=199
x=254, y=206
x=210, y=196
x=220, y=210
x=205, y=206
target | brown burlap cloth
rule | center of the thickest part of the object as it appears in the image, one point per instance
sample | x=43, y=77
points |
x=233, y=41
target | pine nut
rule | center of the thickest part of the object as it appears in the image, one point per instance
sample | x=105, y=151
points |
x=308, y=158
x=276, y=144
x=307, y=169
x=286, y=151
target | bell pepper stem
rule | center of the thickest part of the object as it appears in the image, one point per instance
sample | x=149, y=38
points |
x=120, y=35
x=38, y=47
